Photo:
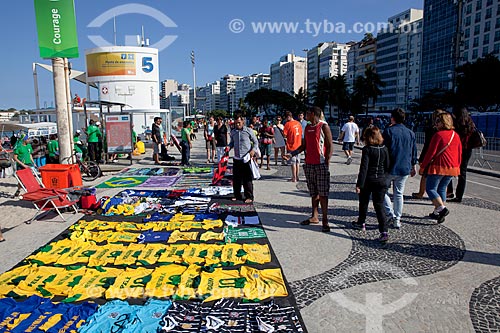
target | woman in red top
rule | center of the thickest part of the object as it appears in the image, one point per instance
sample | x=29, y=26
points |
x=441, y=163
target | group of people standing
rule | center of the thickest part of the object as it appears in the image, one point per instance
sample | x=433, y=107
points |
x=390, y=158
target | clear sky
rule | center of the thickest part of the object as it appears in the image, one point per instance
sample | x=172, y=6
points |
x=202, y=26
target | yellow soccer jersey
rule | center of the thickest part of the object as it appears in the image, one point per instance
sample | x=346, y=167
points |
x=63, y=282
x=123, y=237
x=150, y=254
x=214, y=253
x=195, y=254
x=233, y=254
x=173, y=254
x=130, y=284
x=50, y=253
x=164, y=281
x=7, y=279
x=221, y=284
x=105, y=255
x=79, y=254
x=183, y=217
x=210, y=235
x=264, y=283
x=37, y=278
x=189, y=282
x=186, y=226
x=177, y=236
x=130, y=254
x=257, y=253
x=212, y=224
x=93, y=284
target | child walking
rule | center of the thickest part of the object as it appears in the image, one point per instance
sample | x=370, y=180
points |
x=372, y=180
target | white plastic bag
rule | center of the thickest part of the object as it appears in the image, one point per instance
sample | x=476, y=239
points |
x=255, y=169
x=8, y=172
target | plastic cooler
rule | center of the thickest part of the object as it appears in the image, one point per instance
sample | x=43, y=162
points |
x=61, y=175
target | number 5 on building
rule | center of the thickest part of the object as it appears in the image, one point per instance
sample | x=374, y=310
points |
x=147, y=65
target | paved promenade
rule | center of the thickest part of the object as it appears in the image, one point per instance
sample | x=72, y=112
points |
x=428, y=278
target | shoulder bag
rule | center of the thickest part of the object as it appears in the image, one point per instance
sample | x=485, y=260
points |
x=476, y=139
x=426, y=170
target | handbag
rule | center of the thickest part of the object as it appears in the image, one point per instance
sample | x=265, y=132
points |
x=476, y=139
x=426, y=170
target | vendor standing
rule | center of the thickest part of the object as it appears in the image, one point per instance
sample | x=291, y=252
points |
x=93, y=134
x=23, y=158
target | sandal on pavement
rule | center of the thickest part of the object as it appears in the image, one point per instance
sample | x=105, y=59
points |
x=248, y=201
x=2, y=240
x=308, y=221
x=416, y=195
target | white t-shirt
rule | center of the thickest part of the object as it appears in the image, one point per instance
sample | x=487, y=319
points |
x=350, y=129
x=279, y=141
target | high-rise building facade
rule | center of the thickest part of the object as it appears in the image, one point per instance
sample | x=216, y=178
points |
x=360, y=56
x=398, y=59
x=480, y=29
x=167, y=87
x=439, y=45
x=212, y=96
x=324, y=61
x=289, y=74
x=250, y=83
x=228, y=100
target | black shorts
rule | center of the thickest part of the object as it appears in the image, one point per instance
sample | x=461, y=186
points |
x=348, y=146
x=318, y=179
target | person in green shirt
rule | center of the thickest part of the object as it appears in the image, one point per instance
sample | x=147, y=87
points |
x=53, y=149
x=186, y=142
x=23, y=158
x=93, y=134
x=79, y=147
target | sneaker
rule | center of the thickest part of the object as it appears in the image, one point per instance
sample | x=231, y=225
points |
x=442, y=214
x=396, y=224
x=359, y=226
x=450, y=196
x=434, y=216
x=349, y=160
x=384, y=237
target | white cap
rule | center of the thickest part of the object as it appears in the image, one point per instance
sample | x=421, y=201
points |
x=98, y=123
x=78, y=142
x=78, y=131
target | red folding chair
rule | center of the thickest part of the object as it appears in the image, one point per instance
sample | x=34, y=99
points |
x=44, y=199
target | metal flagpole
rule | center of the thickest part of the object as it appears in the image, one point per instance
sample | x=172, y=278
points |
x=194, y=82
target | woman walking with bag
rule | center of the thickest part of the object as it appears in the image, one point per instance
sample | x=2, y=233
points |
x=441, y=163
x=464, y=126
x=372, y=180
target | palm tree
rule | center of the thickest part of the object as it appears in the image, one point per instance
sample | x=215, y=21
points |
x=373, y=84
x=339, y=93
x=321, y=92
x=301, y=99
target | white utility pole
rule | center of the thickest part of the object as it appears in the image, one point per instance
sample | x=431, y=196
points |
x=61, y=101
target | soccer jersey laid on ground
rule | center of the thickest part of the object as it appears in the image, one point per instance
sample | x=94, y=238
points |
x=77, y=254
x=37, y=278
x=225, y=318
x=263, y=283
x=62, y=284
x=272, y=318
x=190, y=280
x=19, y=312
x=233, y=254
x=235, y=234
x=173, y=254
x=130, y=255
x=182, y=236
x=257, y=253
x=10, y=279
x=181, y=318
x=75, y=317
x=210, y=235
x=130, y=284
x=221, y=284
x=150, y=254
x=149, y=317
x=164, y=281
x=105, y=255
x=93, y=284
x=50, y=253
x=114, y=316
